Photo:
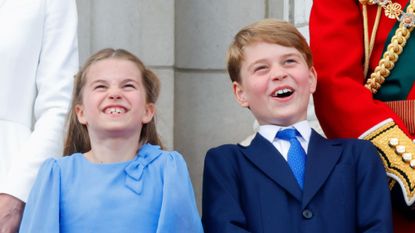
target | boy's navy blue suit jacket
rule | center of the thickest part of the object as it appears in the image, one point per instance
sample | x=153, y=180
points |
x=252, y=189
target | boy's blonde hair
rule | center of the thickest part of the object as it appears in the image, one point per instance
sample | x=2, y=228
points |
x=270, y=31
x=77, y=138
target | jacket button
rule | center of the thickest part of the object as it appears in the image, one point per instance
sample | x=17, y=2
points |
x=307, y=214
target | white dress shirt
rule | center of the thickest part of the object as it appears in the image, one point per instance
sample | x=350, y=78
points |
x=270, y=131
x=38, y=59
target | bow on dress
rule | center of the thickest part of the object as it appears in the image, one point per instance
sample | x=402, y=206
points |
x=135, y=169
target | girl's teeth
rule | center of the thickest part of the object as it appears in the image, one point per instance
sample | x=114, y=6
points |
x=115, y=111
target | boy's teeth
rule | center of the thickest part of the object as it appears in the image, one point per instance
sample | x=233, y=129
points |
x=283, y=92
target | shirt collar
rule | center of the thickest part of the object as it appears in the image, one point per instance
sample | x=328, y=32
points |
x=269, y=131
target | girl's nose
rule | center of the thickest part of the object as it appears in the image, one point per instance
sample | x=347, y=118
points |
x=115, y=97
x=115, y=94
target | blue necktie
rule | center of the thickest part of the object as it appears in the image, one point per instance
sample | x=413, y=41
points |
x=296, y=155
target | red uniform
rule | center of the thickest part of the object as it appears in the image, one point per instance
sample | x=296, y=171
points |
x=345, y=107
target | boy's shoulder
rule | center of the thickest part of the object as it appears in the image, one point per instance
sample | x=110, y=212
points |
x=226, y=153
x=358, y=150
x=225, y=149
x=350, y=142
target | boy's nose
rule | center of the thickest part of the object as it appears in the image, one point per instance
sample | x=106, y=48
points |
x=278, y=75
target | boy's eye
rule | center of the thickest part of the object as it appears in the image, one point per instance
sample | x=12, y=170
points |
x=290, y=61
x=260, y=68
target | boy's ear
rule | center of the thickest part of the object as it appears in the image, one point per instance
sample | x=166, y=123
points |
x=240, y=94
x=79, y=111
x=149, y=114
x=313, y=80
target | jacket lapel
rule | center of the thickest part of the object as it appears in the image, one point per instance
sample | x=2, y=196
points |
x=269, y=160
x=322, y=157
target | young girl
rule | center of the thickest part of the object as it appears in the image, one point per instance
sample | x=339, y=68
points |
x=117, y=179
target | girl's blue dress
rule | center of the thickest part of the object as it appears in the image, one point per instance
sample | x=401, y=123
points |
x=151, y=193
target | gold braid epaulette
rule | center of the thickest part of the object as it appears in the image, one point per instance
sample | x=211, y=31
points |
x=395, y=48
x=398, y=155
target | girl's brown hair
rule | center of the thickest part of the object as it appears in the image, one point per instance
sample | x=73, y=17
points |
x=77, y=138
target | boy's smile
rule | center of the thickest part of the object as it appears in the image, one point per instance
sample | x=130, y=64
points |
x=283, y=92
x=276, y=83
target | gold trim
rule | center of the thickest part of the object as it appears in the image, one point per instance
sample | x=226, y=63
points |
x=397, y=44
x=394, y=147
x=369, y=44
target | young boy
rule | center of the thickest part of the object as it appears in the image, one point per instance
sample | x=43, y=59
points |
x=288, y=178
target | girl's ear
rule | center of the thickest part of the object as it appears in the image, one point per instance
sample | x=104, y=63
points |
x=79, y=111
x=240, y=94
x=149, y=114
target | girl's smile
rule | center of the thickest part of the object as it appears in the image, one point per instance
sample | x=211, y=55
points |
x=114, y=99
x=115, y=110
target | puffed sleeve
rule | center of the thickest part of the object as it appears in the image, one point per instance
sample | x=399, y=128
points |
x=178, y=209
x=41, y=213
x=57, y=65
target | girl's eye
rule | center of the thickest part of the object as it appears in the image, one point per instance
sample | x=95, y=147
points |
x=129, y=85
x=99, y=87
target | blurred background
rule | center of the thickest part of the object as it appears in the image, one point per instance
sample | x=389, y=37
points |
x=184, y=42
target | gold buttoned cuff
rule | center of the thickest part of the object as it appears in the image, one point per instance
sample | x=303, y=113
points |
x=397, y=151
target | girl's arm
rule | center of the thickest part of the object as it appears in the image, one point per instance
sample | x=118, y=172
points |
x=41, y=213
x=178, y=209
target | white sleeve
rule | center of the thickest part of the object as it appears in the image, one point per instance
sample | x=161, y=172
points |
x=58, y=63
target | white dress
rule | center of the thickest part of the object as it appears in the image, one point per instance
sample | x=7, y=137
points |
x=38, y=59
